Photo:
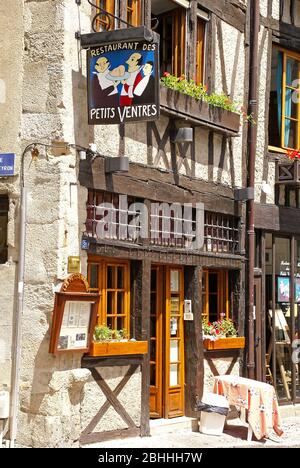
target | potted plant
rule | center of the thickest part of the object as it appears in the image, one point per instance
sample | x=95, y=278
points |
x=221, y=334
x=110, y=342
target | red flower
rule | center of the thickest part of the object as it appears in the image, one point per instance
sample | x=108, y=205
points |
x=166, y=74
x=217, y=332
x=209, y=324
x=293, y=154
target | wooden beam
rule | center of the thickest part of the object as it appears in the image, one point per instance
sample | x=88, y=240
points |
x=141, y=275
x=93, y=423
x=123, y=13
x=111, y=397
x=284, y=34
x=158, y=185
x=191, y=41
x=210, y=54
x=166, y=255
x=230, y=11
x=89, y=362
x=277, y=218
x=194, y=365
x=109, y=435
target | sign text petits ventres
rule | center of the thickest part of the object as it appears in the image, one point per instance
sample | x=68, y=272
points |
x=123, y=82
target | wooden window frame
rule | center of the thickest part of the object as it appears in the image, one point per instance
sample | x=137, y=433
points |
x=179, y=30
x=102, y=282
x=135, y=11
x=105, y=21
x=200, y=47
x=222, y=292
x=296, y=56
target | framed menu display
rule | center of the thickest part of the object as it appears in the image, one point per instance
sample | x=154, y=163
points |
x=75, y=325
x=74, y=316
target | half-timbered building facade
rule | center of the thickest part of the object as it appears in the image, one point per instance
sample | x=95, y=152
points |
x=194, y=155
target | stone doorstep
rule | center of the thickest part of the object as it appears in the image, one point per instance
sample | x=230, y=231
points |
x=164, y=426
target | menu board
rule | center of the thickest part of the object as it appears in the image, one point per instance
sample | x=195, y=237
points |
x=75, y=325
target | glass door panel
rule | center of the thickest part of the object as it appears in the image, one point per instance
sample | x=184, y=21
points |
x=156, y=403
x=174, y=357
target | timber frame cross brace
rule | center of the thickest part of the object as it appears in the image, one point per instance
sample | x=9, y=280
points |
x=215, y=371
x=88, y=436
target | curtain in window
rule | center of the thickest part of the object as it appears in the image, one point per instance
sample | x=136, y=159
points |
x=279, y=88
x=288, y=103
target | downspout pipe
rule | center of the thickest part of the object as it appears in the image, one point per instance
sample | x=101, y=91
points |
x=17, y=336
x=252, y=141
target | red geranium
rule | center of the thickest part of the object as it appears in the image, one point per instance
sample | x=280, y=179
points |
x=293, y=154
x=166, y=74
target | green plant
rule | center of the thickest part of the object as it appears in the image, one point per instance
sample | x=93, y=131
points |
x=120, y=334
x=103, y=333
x=199, y=92
x=219, y=329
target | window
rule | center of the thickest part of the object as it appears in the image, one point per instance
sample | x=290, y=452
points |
x=111, y=216
x=172, y=28
x=215, y=295
x=284, y=116
x=221, y=233
x=134, y=12
x=105, y=22
x=3, y=228
x=200, y=50
x=171, y=225
x=111, y=279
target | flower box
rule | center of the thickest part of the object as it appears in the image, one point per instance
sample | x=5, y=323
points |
x=118, y=348
x=225, y=343
x=197, y=111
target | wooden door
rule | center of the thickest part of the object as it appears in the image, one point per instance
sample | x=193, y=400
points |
x=167, y=342
x=156, y=345
x=258, y=329
x=174, y=344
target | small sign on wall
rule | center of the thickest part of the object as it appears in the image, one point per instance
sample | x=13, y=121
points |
x=73, y=264
x=188, y=315
x=123, y=82
x=7, y=164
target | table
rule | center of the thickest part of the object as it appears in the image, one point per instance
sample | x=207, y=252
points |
x=257, y=398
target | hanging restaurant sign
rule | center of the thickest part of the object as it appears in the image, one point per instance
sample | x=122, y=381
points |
x=123, y=78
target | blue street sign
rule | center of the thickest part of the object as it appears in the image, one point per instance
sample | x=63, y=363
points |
x=7, y=164
x=85, y=244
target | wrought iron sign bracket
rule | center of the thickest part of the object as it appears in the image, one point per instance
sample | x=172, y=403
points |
x=128, y=34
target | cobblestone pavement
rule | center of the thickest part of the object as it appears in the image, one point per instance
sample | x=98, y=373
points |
x=235, y=435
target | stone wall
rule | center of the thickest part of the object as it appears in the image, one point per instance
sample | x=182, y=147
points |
x=129, y=397
x=11, y=76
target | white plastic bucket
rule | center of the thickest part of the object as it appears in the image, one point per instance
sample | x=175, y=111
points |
x=213, y=423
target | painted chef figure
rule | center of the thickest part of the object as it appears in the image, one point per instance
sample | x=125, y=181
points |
x=134, y=69
x=104, y=91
